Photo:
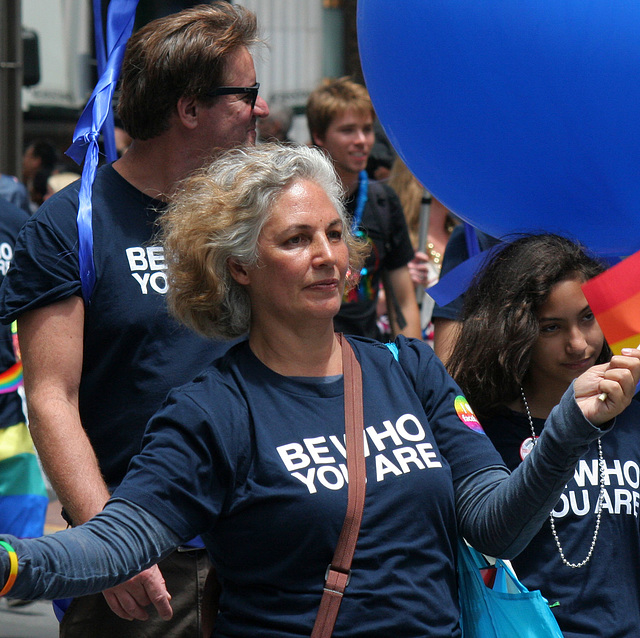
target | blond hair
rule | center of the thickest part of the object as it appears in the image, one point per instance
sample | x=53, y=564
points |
x=333, y=98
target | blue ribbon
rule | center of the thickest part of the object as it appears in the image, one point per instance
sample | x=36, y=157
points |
x=473, y=245
x=108, y=129
x=456, y=281
x=120, y=19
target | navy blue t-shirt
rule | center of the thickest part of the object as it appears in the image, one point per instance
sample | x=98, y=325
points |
x=385, y=228
x=12, y=219
x=133, y=351
x=256, y=463
x=603, y=597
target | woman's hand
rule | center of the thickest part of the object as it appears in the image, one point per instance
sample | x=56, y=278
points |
x=616, y=379
x=419, y=270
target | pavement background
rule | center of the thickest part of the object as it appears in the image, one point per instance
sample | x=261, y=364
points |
x=54, y=521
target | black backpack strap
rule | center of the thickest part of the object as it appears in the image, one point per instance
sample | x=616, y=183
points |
x=379, y=200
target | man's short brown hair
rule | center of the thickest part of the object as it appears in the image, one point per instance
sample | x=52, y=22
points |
x=333, y=98
x=181, y=55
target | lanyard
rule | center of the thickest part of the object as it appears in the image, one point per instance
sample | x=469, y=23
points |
x=361, y=202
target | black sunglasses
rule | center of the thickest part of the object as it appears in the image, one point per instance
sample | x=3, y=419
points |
x=250, y=91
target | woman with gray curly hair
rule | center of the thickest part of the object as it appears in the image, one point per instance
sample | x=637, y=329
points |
x=219, y=216
x=251, y=454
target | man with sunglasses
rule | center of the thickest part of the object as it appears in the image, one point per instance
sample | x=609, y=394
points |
x=96, y=370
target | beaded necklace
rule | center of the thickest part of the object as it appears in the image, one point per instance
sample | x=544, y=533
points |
x=602, y=469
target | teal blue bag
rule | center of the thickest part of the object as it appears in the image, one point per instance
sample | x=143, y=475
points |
x=505, y=608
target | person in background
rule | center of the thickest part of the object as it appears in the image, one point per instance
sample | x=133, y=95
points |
x=15, y=192
x=40, y=187
x=275, y=127
x=527, y=333
x=39, y=161
x=446, y=319
x=382, y=155
x=95, y=370
x=58, y=181
x=340, y=118
x=23, y=495
x=122, y=139
x=250, y=454
x=424, y=268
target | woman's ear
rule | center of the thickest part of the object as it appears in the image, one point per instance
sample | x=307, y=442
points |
x=238, y=271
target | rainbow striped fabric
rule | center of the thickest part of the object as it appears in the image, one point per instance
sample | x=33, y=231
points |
x=23, y=496
x=11, y=379
x=614, y=297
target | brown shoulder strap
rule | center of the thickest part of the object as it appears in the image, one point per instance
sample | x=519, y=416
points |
x=339, y=571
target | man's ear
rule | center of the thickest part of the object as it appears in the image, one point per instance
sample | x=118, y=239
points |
x=238, y=271
x=187, y=109
x=317, y=140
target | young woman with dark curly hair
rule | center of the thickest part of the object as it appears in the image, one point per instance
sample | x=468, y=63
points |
x=527, y=332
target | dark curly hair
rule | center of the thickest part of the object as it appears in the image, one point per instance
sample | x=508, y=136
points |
x=499, y=328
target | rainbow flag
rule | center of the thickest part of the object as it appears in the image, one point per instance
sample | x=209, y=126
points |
x=11, y=379
x=23, y=496
x=614, y=297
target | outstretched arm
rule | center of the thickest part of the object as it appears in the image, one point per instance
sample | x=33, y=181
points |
x=118, y=543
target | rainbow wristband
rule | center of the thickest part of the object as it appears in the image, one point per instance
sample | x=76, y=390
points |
x=13, y=568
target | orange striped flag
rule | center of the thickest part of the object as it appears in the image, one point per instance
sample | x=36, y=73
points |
x=614, y=297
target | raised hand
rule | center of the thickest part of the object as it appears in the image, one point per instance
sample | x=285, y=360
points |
x=616, y=379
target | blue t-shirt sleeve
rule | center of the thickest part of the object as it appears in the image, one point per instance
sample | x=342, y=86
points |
x=45, y=261
x=115, y=545
x=458, y=433
x=192, y=456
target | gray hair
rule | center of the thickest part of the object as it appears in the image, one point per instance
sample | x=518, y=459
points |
x=218, y=214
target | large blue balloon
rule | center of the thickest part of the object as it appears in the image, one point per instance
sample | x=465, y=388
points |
x=518, y=115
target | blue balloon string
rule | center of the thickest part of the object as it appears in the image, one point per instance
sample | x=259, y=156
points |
x=120, y=19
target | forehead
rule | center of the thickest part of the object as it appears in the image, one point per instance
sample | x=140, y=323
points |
x=300, y=198
x=352, y=117
x=566, y=296
x=239, y=69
